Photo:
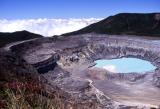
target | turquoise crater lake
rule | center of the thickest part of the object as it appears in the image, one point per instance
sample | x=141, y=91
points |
x=125, y=65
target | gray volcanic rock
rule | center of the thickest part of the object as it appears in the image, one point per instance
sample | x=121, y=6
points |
x=13, y=67
x=156, y=80
x=64, y=63
x=83, y=93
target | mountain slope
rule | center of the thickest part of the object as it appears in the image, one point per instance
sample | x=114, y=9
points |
x=125, y=23
x=6, y=38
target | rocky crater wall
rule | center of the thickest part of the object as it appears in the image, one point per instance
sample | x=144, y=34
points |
x=89, y=49
x=79, y=53
x=112, y=48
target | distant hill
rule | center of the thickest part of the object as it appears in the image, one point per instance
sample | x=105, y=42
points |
x=6, y=38
x=125, y=23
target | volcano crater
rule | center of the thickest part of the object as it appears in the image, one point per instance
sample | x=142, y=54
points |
x=74, y=60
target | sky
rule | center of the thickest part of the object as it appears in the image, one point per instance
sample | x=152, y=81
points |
x=55, y=17
x=31, y=9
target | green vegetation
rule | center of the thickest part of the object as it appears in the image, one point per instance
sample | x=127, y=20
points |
x=17, y=95
x=125, y=23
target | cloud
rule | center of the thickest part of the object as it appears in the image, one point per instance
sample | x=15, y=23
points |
x=45, y=27
x=111, y=68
